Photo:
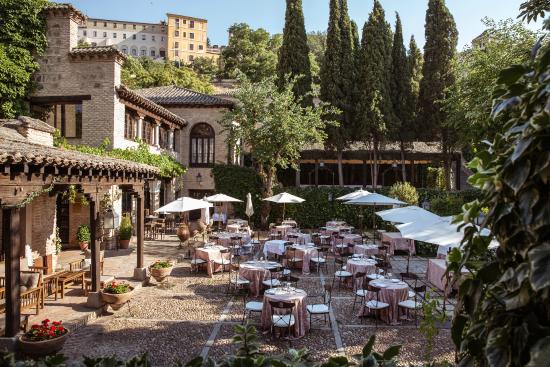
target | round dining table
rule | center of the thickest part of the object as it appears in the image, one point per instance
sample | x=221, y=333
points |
x=306, y=253
x=209, y=253
x=294, y=295
x=360, y=265
x=366, y=249
x=256, y=271
x=392, y=291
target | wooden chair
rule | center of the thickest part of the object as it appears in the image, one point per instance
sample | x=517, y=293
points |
x=31, y=297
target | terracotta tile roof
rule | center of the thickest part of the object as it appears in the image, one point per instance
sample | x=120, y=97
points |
x=29, y=123
x=146, y=103
x=64, y=8
x=14, y=148
x=177, y=96
x=96, y=51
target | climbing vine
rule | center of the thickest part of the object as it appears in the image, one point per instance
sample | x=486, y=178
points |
x=33, y=195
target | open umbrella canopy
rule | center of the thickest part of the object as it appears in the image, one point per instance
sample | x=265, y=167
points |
x=249, y=210
x=183, y=204
x=285, y=198
x=374, y=198
x=222, y=198
x=408, y=214
x=353, y=195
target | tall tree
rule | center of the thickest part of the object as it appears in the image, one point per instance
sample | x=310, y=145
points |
x=400, y=94
x=374, y=106
x=294, y=54
x=416, y=61
x=274, y=127
x=250, y=51
x=437, y=77
x=22, y=39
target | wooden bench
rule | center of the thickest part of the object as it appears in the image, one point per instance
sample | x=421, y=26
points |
x=76, y=273
x=31, y=297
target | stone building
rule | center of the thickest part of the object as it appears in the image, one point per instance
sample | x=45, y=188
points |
x=203, y=142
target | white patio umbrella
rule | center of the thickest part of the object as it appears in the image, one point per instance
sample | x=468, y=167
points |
x=249, y=210
x=408, y=214
x=284, y=198
x=353, y=195
x=222, y=198
x=205, y=213
x=374, y=199
x=183, y=204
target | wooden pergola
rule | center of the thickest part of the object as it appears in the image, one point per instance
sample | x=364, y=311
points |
x=28, y=170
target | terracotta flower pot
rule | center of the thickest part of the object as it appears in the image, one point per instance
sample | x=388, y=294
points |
x=116, y=301
x=37, y=349
x=161, y=274
x=183, y=232
x=83, y=245
x=124, y=244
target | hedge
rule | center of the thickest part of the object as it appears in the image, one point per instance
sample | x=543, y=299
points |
x=320, y=204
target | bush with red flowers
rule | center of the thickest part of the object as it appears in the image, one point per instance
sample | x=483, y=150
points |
x=45, y=331
x=115, y=287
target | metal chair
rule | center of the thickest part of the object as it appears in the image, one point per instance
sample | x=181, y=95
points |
x=273, y=280
x=320, y=260
x=196, y=262
x=282, y=317
x=235, y=281
x=375, y=305
x=321, y=309
x=414, y=304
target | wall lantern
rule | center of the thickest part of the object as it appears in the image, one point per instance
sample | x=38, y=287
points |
x=110, y=219
x=199, y=178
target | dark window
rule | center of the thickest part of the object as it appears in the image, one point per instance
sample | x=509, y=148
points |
x=130, y=124
x=163, y=138
x=191, y=24
x=202, y=145
x=148, y=132
x=66, y=117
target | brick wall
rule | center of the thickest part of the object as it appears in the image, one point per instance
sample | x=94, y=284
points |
x=211, y=116
x=43, y=221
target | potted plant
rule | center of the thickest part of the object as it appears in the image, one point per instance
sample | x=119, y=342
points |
x=116, y=294
x=83, y=236
x=161, y=269
x=43, y=339
x=125, y=232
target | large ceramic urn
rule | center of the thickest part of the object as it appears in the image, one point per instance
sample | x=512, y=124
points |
x=183, y=232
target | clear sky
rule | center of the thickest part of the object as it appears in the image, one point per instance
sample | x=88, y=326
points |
x=269, y=14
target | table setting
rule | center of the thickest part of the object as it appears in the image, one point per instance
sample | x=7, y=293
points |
x=256, y=271
x=306, y=253
x=286, y=293
x=210, y=252
x=360, y=264
x=392, y=291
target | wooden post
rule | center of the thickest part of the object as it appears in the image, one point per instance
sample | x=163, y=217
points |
x=297, y=176
x=11, y=241
x=139, y=231
x=458, y=164
x=364, y=174
x=316, y=173
x=94, y=248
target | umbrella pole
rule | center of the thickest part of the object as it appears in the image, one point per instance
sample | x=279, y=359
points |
x=284, y=208
x=374, y=223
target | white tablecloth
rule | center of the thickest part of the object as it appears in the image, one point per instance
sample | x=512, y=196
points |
x=274, y=247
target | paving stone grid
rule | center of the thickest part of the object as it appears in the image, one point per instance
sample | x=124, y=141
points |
x=193, y=315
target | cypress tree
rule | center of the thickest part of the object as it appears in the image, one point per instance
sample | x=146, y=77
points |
x=400, y=93
x=374, y=104
x=415, y=70
x=294, y=53
x=437, y=76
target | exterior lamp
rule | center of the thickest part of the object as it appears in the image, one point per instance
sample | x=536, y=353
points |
x=110, y=219
x=321, y=164
x=199, y=178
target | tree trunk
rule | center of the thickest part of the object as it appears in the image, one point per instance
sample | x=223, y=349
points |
x=446, y=160
x=403, y=167
x=375, y=163
x=339, y=155
x=267, y=174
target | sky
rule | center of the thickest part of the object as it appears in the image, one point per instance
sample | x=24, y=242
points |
x=270, y=14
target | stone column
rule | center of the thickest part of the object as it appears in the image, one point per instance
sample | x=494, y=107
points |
x=157, y=134
x=171, y=139
x=140, y=272
x=139, y=131
x=94, y=297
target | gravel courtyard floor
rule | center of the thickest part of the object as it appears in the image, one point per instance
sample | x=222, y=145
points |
x=193, y=315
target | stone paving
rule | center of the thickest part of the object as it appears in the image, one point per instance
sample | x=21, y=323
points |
x=193, y=315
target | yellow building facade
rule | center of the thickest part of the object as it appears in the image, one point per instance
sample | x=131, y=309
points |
x=187, y=38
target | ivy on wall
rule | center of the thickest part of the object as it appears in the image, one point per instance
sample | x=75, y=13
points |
x=167, y=165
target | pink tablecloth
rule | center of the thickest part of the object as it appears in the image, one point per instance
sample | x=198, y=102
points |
x=225, y=238
x=274, y=247
x=303, y=238
x=397, y=242
x=283, y=229
x=236, y=228
x=435, y=274
x=336, y=223
x=351, y=238
x=366, y=266
x=256, y=272
x=366, y=250
x=209, y=254
x=298, y=297
x=392, y=294
x=290, y=222
x=305, y=253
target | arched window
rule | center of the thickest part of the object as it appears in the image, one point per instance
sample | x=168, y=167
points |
x=202, y=145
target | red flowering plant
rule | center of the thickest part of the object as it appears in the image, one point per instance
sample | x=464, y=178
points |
x=115, y=287
x=45, y=331
x=161, y=264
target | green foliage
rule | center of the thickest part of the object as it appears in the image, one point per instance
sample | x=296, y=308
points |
x=274, y=127
x=502, y=317
x=237, y=181
x=251, y=52
x=435, y=178
x=22, y=39
x=428, y=324
x=446, y=205
x=425, y=249
x=317, y=42
x=532, y=9
x=144, y=72
x=437, y=71
x=374, y=105
x=469, y=102
x=167, y=165
x=205, y=66
x=162, y=264
x=294, y=55
x=405, y=192
x=416, y=62
x=83, y=233
x=82, y=43
x=125, y=228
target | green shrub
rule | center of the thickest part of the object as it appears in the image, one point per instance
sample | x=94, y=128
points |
x=83, y=234
x=125, y=229
x=446, y=205
x=405, y=192
x=435, y=178
x=425, y=249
